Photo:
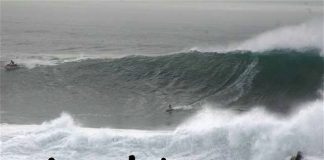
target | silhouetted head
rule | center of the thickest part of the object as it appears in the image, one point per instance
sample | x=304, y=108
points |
x=51, y=158
x=131, y=157
x=163, y=159
x=299, y=155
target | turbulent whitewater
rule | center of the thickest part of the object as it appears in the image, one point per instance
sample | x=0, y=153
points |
x=256, y=135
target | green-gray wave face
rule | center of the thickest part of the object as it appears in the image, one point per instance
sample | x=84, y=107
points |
x=138, y=89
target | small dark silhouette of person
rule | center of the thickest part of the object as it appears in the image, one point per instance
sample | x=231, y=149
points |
x=299, y=156
x=170, y=109
x=131, y=157
x=163, y=159
x=12, y=62
x=51, y=158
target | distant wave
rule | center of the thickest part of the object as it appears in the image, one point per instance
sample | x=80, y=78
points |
x=210, y=134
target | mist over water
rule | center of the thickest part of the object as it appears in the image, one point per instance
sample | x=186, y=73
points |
x=245, y=80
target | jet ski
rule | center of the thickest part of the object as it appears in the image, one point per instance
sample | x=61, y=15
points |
x=169, y=110
x=10, y=67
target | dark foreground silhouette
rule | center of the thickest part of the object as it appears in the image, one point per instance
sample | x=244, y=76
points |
x=132, y=157
x=299, y=156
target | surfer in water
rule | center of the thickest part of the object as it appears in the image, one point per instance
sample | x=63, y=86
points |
x=170, y=109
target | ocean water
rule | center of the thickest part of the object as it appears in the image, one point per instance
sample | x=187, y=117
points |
x=245, y=80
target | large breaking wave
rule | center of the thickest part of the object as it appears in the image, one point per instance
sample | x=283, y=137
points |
x=143, y=86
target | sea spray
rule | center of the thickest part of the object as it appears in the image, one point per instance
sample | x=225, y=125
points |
x=299, y=37
x=210, y=134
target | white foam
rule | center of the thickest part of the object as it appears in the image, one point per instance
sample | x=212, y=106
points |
x=306, y=35
x=34, y=60
x=211, y=134
x=299, y=37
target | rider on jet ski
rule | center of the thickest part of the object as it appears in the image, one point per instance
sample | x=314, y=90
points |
x=12, y=62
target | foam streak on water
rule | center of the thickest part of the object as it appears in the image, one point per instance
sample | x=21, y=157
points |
x=211, y=134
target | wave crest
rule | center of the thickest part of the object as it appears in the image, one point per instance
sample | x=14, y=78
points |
x=299, y=37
